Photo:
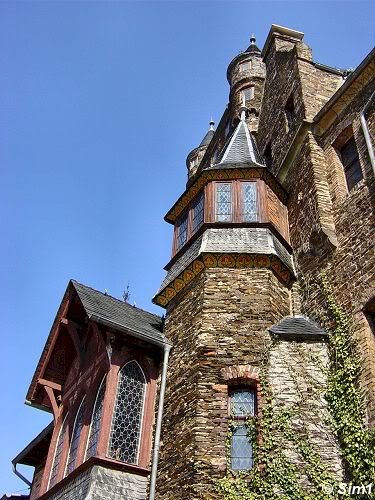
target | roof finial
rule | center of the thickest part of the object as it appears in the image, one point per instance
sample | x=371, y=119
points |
x=212, y=123
x=252, y=39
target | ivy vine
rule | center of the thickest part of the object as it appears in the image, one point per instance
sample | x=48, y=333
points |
x=274, y=474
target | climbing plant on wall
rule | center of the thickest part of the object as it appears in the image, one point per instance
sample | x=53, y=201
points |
x=275, y=440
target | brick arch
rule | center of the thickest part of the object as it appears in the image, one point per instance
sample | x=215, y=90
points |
x=240, y=373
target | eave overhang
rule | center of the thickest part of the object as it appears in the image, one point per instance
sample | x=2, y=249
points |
x=36, y=451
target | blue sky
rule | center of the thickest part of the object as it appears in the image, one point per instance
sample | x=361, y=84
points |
x=100, y=102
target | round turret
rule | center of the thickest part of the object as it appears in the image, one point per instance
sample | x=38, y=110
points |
x=246, y=74
x=195, y=156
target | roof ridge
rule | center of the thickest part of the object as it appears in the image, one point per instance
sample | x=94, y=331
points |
x=115, y=299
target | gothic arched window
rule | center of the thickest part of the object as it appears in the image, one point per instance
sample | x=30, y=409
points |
x=127, y=415
x=58, y=452
x=77, y=428
x=95, y=422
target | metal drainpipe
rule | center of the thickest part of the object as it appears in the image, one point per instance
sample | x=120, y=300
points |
x=20, y=475
x=159, y=419
x=366, y=133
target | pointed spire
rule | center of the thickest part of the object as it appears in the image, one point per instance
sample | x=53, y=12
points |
x=207, y=138
x=252, y=39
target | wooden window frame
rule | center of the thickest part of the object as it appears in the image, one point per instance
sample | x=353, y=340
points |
x=243, y=89
x=243, y=63
x=237, y=200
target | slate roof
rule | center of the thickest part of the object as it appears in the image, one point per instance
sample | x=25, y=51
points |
x=107, y=309
x=207, y=138
x=257, y=240
x=241, y=148
x=298, y=327
x=36, y=451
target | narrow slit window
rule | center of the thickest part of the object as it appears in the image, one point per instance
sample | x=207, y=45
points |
x=95, y=422
x=58, y=452
x=224, y=202
x=350, y=162
x=128, y=413
x=242, y=407
x=197, y=213
x=249, y=202
x=76, y=434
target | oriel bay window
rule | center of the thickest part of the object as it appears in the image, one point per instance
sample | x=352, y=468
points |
x=242, y=406
x=225, y=202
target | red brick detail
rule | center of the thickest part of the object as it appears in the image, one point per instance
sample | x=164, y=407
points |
x=240, y=373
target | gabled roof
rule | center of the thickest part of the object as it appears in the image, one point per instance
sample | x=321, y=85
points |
x=115, y=312
x=298, y=327
x=241, y=148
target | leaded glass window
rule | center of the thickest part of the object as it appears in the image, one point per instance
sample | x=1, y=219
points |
x=127, y=415
x=242, y=406
x=197, y=213
x=182, y=232
x=77, y=428
x=249, y=201
x=223, y=201
x=95, y=422
x=58, y=452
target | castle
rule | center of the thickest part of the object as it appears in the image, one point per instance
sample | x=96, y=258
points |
x=273, y=250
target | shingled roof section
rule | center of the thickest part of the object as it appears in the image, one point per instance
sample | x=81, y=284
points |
x=241, y=148
x=102, y=307
x=294, y=327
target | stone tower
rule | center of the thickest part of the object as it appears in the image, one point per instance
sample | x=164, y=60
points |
x=228, y=293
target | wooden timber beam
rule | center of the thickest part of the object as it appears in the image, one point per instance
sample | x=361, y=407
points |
x=72, y=328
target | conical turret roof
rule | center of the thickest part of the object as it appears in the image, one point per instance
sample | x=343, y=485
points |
x=241, y=147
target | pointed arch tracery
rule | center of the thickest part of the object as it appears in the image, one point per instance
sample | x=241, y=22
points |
x=128, y=413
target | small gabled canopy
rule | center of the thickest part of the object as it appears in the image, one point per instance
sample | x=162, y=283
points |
x=298, y=327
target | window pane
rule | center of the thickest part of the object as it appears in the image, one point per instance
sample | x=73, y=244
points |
x=242, y=403
x=182, y=232
x=77, y=429
x=249, y=201
x=127, y=417
x=247, y=93
x=198, y=213
x=95, y=422
x=245, y=66
x=223, y=202
x=57, y=458
x=241, y=449
x=350, y=162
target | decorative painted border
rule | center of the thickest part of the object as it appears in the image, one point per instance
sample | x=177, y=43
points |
x=221, y=260
x=224, y=174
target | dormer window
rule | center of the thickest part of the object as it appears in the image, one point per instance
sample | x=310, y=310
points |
x=245, y=66
x=247, y=94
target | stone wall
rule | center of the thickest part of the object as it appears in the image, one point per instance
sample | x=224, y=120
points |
x=101, y=483
x=221, y=321
x=318, y=193
x=298, y=381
